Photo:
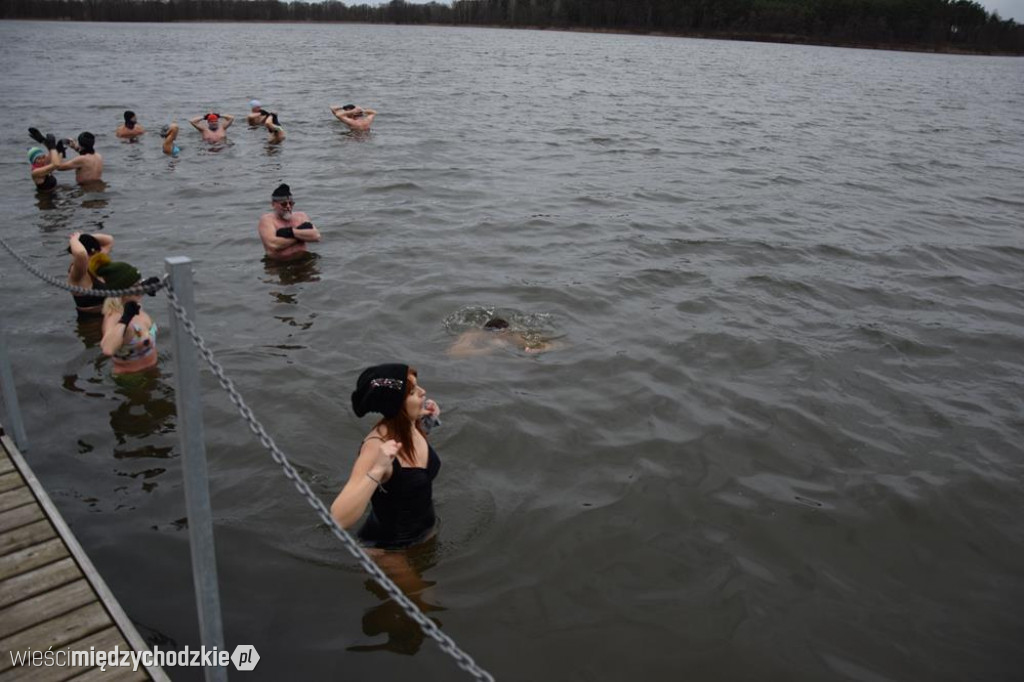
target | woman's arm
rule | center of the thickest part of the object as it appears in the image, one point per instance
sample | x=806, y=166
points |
x=114, y=329
x=105, y=240
x=79, y=258
x=372, y=466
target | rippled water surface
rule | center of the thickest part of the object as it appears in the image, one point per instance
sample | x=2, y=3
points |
x=779, y=437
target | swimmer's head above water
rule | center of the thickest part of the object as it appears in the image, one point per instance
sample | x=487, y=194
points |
x=496, y=324
x=254, y=105
x=37, y=156
x=282, y=202
x=86, y=142
x=212, y=121
x=129, y=119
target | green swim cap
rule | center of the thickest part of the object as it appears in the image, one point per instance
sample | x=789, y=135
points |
x=34, y=153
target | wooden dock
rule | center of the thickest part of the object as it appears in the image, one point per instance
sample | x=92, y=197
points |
x=51, y=596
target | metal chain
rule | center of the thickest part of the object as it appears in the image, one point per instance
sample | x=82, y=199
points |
x=82, y=291
x=445, y=642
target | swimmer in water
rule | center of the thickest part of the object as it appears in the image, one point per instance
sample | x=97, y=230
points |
x=169, y=133
x=130, y=129
x=284, y=233
x=216, y=126
x=88, y=165
x=396, y=466
x=495, y=335
x=44, y=162
x=129, y=333
x=356, y=118
x=82, y=247
x=256, y=115
x=274, y=128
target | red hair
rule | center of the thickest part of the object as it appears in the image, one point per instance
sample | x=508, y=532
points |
x=399, y=427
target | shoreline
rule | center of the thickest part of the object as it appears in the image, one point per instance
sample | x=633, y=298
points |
x=778, y=38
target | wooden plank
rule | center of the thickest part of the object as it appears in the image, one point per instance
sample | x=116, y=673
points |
x=122, y=675
x=56, y=633
x=16, y=498
x=98, y=586
x=10, y=481
x=30, y=612
x=20, y=516
x=5, y=462
x=26, y=536
x=26, y=585
x=104, y=640
x=31, y=558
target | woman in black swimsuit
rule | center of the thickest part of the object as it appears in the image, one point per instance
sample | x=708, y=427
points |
x=396, y=466
x=43, y=164
x=82, y=247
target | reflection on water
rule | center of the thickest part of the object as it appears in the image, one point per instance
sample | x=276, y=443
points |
x=306, y=268
x=406, y=569
x=147, y=408
x=89, y=328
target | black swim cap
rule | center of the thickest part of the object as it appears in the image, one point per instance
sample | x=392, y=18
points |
x=496, y=323
x=128, y=116
x=283, y=191
x=86, y=141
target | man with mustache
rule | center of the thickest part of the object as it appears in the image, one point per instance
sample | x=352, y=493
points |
x=284, y=233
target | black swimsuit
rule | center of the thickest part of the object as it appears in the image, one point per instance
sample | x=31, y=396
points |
x=48, y=183
x=404, y=515
x=85, y=301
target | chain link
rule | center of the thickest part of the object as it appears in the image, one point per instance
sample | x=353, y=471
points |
x=445, y=642
x=82, y=291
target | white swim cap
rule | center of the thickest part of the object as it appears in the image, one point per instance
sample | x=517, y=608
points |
x=253, y=103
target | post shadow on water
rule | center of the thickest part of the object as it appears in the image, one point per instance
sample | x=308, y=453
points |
x=406, y=568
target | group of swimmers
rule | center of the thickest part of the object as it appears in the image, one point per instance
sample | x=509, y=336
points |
x=88, y=164
x=396, y=465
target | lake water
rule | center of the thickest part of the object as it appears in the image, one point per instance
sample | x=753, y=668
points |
x=780, y=438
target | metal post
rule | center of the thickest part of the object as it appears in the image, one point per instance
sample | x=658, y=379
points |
x=197, y=490
x=11, y=396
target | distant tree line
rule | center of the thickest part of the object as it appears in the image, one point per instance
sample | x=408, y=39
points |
x=929, y=24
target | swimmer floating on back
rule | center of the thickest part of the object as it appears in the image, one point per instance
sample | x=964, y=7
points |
x=130, y=129
x=169, y=133
x=216, y=126
x=356, y=118
x=495, y=335
x=284, y=233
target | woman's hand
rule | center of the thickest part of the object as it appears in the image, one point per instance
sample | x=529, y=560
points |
x=385, y=457
x=432, y=408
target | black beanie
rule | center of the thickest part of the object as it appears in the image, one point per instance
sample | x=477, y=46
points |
x=87, y=141
x=283, y=191
x=380, y=389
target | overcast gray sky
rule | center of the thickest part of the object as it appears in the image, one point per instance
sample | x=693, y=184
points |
x=1008, y=9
